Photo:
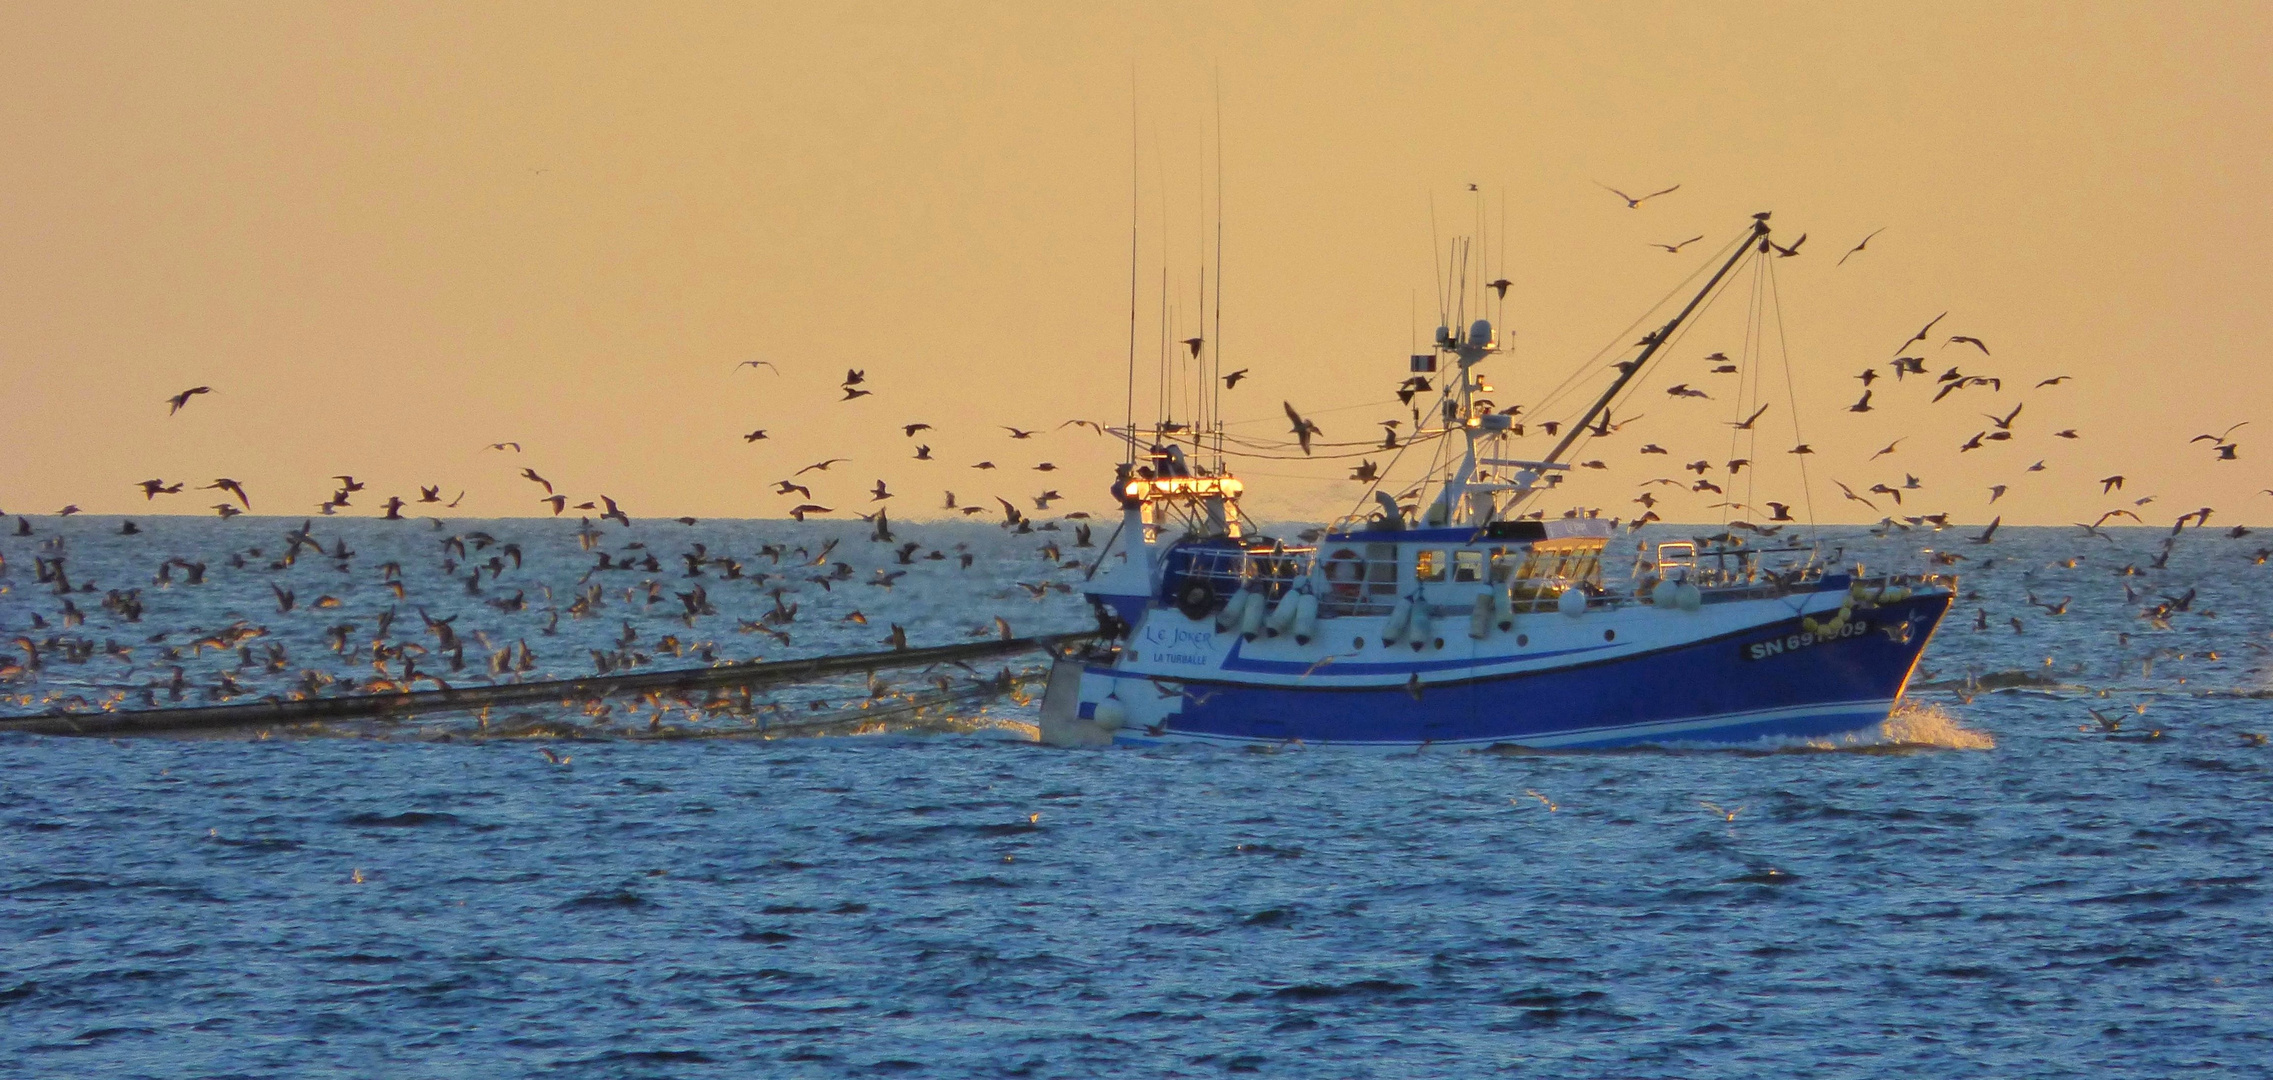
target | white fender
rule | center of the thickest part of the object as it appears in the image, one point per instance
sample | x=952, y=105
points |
x=1229, y=616
x=1503, y=609
x=1480, y=620
x=1666, y=594
x=1420, y=629
x=1281, y=619
x=1306, y=619
x=1111, y=714
x=1688, y=597
x=1572, y=602
x=1400, y=618
x=1251, y=617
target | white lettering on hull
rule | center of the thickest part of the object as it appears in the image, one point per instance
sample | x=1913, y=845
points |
x=1789, y=643
x=1179, y=646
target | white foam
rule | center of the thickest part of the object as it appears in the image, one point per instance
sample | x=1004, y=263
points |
x=1924, y=724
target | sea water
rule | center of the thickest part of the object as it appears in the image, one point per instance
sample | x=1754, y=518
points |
x=2052, y=861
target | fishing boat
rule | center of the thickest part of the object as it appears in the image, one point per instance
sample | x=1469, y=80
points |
x=1466, y=618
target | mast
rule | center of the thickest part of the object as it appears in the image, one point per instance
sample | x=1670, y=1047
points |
x=1136, y=210
x=1654, y=341
x=1215, y=333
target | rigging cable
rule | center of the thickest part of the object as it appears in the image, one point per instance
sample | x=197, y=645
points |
x=1619, y=341
x=1642, y=376
x=1417, y=436
x=1748, y=387
x=1791, y=389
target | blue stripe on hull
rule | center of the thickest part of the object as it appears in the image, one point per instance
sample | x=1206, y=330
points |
x=1707, y=691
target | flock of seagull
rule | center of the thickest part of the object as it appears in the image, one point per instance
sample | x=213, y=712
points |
x=1922, y=367
x=364, y=609
x=441, y=608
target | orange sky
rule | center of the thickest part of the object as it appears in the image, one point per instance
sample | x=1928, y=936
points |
x=389, y=235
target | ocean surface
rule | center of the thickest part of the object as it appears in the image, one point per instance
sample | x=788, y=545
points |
x=2055, y=863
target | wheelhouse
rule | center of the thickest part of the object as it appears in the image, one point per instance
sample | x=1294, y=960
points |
x=1365, y=573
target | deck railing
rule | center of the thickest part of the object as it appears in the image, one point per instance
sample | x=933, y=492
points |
x=1229, y=570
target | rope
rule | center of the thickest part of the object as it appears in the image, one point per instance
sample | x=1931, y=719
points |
x=466, y=698
x=1320, y=412
x=1374, y=448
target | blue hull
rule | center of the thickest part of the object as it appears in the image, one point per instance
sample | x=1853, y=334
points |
x=1770, y=681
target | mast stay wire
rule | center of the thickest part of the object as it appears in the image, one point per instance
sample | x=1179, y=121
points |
x=1748, y=389
x=1791, y=390
x=1259, y=447
x=1444, y=394
x=1553, y=395
x=1345, y=456
x=1320, y=412
x=1565, y=386
x=1588, y=436
x=1444, y=391
x=1619, y=340
x=1283, y=444
x=1755, y=345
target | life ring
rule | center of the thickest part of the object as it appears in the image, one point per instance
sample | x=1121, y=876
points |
x=1345, y=574
x=1196, y=599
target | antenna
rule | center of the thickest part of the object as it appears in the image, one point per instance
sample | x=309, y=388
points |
x=1500, y=272
x=1202, y=412
x=1165, y=410
x=1167, y=387
x=1432, y=260
x=1215, y=385
x=1484, y=258
x=1128, y=424
x=1462, y=278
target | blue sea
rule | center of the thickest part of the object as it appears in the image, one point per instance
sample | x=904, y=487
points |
x=2055, y=864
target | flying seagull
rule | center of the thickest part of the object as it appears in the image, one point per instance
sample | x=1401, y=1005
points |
x=1633, y=203
x=1303, y=428
x=1858, y=247
x=181, y=399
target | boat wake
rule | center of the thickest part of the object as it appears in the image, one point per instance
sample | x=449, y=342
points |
x=1917, y=725
x=1912, y=726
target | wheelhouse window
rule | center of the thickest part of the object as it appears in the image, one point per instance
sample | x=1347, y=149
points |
x=1467, y=566
x=1547, y=567
x=1428, y=565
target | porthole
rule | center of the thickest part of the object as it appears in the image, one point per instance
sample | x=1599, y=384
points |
x=1439, y=643
x=1609, y=635
x=1522, y=640
x=1357, y=643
